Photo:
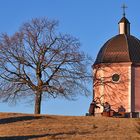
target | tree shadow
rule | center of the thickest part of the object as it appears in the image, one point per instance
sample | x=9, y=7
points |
x=138, y=127
x=22, y=137
x=52, y=136
x=19, y=118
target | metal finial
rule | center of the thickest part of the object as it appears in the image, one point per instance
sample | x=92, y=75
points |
x=124, y=7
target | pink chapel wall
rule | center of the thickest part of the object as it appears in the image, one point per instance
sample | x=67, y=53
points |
x=115, y=93
x=136, y=88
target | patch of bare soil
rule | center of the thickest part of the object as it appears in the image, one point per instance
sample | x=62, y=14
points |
x=49, y=127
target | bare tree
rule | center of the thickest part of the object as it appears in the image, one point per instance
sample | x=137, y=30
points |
x=38, y=61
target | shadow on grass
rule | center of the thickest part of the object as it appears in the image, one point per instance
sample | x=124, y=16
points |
x=138, y=127
x=22, y=137
x=52, y=136
x=19, y=118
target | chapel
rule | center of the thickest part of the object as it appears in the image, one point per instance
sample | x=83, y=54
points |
x=116, y=71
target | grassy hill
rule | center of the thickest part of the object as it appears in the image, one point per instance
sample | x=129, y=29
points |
x=50, y=127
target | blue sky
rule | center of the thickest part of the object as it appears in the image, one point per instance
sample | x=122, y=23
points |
x=92, y=21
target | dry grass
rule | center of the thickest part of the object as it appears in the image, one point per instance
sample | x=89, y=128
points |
x=46, y=127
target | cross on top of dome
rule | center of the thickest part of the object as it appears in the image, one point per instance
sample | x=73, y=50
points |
x=124, y=7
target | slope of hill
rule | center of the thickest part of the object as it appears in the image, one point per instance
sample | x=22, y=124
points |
x=50, y=127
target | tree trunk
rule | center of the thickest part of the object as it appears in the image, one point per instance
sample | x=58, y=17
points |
x=38, y=98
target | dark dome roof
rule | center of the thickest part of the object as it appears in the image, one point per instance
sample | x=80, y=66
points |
x=121, y=48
